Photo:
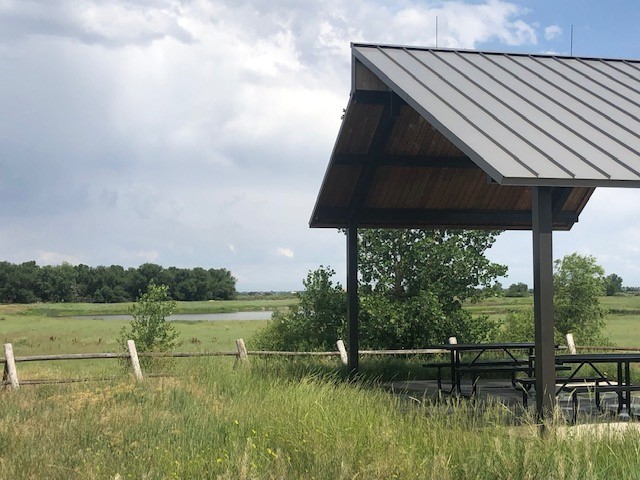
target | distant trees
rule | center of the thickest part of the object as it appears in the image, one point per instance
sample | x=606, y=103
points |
x=517, y=290
x=28, y=283
x=612, y=284
x=578, y=282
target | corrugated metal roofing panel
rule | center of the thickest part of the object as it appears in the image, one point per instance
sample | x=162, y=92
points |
x=517, y=115
x=563, y=126
x=527, y=120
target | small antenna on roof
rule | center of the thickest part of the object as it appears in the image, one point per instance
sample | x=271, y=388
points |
x=436, y=31
x=571, y=48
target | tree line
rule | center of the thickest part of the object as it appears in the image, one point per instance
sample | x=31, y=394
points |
x=28, y=283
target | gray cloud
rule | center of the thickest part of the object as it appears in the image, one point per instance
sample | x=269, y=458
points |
x=167, y=131
x=113, y=23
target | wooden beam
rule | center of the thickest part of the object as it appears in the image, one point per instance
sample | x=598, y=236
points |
x=375, y=152
x=377, y=97
x=559, y=197
x=392, y=217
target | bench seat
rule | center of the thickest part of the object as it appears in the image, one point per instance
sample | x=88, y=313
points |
x=596, y=385
x=485, y=366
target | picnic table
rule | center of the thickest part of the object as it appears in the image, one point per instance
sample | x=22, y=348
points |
x=623, y=385
x=475, y=361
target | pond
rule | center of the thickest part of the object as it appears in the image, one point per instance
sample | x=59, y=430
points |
x=208, y=317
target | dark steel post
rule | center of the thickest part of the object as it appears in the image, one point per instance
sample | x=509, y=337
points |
x=543, y=301
x=352, y=299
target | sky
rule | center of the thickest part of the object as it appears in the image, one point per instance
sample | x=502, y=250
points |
x=196, y=133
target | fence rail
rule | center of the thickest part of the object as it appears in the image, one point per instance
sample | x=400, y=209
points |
x=10, y=375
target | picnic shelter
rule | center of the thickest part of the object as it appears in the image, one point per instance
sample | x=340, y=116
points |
x=459, y=139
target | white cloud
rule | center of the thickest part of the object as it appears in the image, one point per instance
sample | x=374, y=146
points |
x=285, y=252
x=182, y=132
x=552, y=32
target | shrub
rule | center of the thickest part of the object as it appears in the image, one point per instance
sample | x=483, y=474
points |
x=149, y=328
x=577, y=310
x=316, y=323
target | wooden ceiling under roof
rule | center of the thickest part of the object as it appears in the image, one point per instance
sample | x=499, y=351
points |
x=391, y=168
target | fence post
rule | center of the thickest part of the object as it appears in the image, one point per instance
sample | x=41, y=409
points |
x=135, y=362
x=242, y=352
x=10, y=370
x=343, y=352
x=571, y=344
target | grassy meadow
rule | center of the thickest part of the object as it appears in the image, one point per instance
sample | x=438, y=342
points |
x=274, y=419
x=50, y=328
x=623, y=320
x=282, y=420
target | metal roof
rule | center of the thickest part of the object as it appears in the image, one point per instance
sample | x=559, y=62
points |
x=526, y=119
x=432, y=137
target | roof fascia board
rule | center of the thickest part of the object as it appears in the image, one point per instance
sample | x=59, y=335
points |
x=421, y=161
x=577, y=182
x=468, y=151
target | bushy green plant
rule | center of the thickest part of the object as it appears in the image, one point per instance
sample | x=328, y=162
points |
x=149, y=328
x=577, y=284
x=388, y=322
x=577, y=310
x=316, y=323
x=518, y=326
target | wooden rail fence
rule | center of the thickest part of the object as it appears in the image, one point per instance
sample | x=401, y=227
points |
x=10, y=375
x=241, y=354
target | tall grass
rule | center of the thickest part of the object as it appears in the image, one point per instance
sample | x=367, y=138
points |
x=281, y=420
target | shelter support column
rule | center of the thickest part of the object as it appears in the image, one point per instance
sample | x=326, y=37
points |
x=352, y=299
x=542, y=210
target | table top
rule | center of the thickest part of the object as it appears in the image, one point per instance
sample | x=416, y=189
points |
x=485, y=346
x=599, y=357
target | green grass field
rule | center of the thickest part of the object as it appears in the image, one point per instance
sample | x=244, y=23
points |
x=623, y=320
x=42, y=329
x=49, y=328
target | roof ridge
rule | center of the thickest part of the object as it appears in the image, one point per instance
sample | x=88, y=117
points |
x=494, y=52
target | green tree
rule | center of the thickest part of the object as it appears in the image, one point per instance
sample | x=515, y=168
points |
x=315, y=323
x=612, y=284
x=413, y=284
x=149, y=328
x=517, y=290
x=577, y=310
x=577, y=284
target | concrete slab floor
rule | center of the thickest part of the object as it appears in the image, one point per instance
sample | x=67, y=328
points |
x=501, y=390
